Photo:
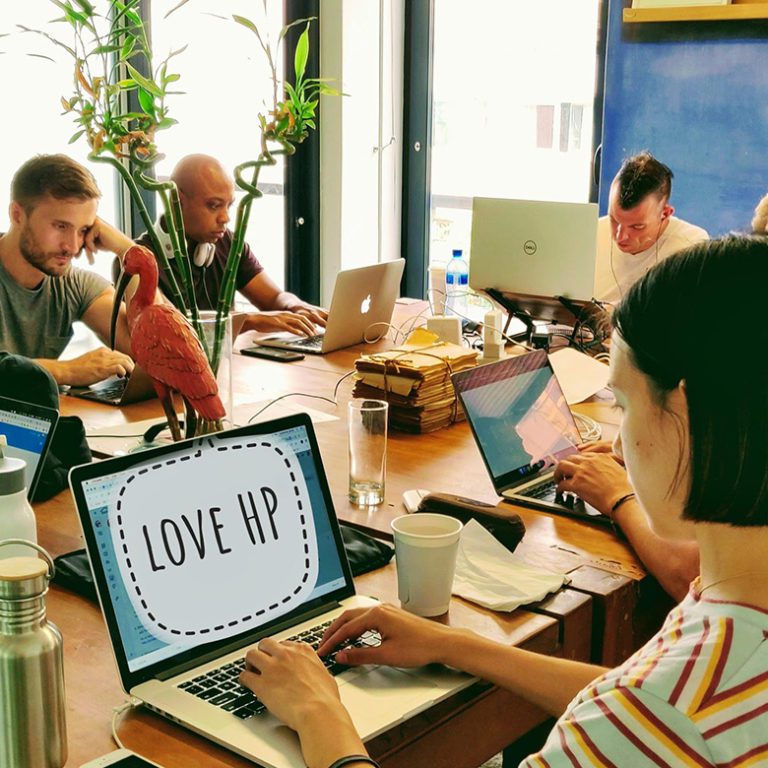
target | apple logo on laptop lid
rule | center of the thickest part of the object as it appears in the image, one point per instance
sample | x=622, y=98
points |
x=365, y=305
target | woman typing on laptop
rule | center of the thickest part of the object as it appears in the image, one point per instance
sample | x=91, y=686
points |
x=696, y=693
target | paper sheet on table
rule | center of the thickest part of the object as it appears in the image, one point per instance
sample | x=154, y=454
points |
x=489, y=574
x=124, y=438
x=580, y=375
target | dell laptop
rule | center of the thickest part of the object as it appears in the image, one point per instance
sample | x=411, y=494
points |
x=200, y=549
x=523, y=426
x=28, y=429
x=361, y=309
x=533, y=247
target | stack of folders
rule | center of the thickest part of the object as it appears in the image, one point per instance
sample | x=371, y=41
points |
x=415, y=378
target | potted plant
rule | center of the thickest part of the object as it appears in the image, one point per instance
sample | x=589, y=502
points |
x=112, y=57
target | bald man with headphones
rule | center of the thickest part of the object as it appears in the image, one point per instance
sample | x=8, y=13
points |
x=207, y=193
x=640, y=229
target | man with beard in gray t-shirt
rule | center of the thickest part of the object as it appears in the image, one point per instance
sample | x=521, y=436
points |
x=53, y=219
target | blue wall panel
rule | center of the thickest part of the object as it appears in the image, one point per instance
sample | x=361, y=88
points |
x=696, y=95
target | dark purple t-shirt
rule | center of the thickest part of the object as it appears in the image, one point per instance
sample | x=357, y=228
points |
x=207, y=280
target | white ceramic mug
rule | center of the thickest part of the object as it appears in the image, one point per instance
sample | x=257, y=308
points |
x=425, y=554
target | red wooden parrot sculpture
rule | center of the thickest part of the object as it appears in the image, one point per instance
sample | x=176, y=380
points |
x=165, y=345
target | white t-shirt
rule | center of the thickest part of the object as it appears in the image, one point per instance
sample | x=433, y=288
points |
x=616, y=271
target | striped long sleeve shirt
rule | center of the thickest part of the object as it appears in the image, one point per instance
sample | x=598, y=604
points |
x=695, y=695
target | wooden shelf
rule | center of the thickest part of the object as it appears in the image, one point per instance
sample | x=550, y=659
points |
x=740, y=11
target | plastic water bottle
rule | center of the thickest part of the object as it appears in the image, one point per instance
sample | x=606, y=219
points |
x=17, y=520
x=457, y=285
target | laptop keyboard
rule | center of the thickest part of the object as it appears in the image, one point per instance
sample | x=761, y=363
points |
x=221, y=688
x=308, y=342
x=110, y=391
x=547, y=491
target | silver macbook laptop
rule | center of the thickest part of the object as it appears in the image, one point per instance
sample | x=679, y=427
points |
x=202, y=548
x=361, y=307
x=28, y=429
x=523, y=426
x=533, y=247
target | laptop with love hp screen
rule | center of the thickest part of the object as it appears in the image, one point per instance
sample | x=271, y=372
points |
x=523, y=426
x=243, y=521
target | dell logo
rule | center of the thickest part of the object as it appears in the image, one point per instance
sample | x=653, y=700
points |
x=366, y=305
x=530, y=247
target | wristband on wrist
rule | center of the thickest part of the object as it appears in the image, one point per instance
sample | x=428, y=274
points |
x=353, y=759
x=622, y=500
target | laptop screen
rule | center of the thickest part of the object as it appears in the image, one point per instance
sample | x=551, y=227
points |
x=203, y=545
x=519, y=416
x=28, y=429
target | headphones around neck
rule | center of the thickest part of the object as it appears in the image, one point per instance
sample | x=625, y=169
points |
x=203, y=255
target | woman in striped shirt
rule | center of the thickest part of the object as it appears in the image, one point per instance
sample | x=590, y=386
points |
x=694, y=435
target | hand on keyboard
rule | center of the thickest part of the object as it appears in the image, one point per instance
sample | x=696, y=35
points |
x=594, y=476
x=399, y=639
x=272, y=322
x=289, y=676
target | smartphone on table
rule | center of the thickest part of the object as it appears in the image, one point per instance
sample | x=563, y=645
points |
x=272, y=353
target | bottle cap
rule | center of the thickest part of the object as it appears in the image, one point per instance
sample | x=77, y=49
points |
x=12, y=472
x=457, y=252
x=22, y=577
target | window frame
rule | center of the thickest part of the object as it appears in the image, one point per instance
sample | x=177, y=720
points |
x=417, y=127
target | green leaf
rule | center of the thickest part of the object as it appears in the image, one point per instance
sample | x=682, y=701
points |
x=144, y=82
x=284, y=30
x=127, y=48
x=248, y=24
x=175, y=8
x=146, y=101
x=41, y=56
x=123, y=8
x=105, y=49
x=127, y=85
x=166, y=123
x=86, y=6
x=302, y=53
x=76, y=136
x=134, y=18
x=172, y=78
x=176, y=52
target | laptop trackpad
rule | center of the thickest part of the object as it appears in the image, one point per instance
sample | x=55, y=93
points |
x=382, y=695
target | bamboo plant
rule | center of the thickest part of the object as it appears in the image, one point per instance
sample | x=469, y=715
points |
x=112, y=57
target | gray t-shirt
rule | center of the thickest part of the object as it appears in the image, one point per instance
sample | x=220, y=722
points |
x=37, y=323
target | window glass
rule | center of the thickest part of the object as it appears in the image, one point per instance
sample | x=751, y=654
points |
x=226, y=82
x=513, y=93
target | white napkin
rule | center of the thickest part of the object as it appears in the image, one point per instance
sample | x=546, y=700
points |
x=489, y=574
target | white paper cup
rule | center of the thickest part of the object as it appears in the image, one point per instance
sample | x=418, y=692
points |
x=425, y=554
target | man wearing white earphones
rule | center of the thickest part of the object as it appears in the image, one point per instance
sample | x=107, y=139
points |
x=640, y=229
x=207, y=193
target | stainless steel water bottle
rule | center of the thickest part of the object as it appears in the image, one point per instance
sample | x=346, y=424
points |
x=32, y=704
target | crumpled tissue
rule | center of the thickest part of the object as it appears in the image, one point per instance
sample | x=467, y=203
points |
x=489, y=574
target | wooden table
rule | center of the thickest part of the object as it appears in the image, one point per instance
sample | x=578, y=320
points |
x=628, y=606
x=593, y=619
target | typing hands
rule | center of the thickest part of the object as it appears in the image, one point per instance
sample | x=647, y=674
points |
x=93, y=366
x=406, y=640
x=594, y=474
x=279, y=321
x=316, y=315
